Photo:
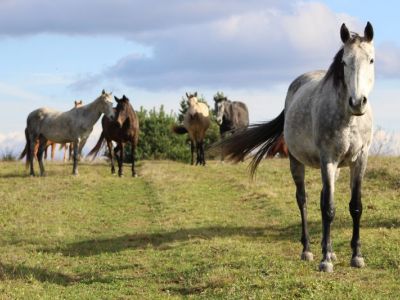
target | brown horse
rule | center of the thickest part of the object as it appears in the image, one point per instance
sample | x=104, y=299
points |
x=279, y=147
x=51, y=144
x=195, y=123
x=125, y=129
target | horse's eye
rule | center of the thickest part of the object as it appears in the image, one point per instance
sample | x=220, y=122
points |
x=371, y=61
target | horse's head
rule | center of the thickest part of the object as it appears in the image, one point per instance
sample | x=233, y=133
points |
x=220, y=108
x=122, y=110
x=78, y=103
x=192, y=99
x=358, y=67
x=107, y=104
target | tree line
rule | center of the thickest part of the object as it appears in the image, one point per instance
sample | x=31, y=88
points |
x=156, y=139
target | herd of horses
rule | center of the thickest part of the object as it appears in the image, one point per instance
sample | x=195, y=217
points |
x=326, y=123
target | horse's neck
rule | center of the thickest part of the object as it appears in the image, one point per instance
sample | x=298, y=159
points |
x=337, y=102
x=92, y=111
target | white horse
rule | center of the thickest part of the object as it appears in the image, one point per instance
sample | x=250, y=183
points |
x=327, y=124
x=73, y=126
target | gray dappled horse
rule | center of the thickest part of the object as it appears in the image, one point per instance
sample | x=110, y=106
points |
x=73, y=126
x=327, y=124
x=231, y=116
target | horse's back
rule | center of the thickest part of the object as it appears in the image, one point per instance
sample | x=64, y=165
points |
x=298, y=129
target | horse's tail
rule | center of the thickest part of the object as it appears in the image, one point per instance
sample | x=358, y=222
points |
x=98, y=146
x=179, y=129
x=257, y=137
x=27, y=150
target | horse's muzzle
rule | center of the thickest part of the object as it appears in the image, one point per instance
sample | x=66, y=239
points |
x=358, y=106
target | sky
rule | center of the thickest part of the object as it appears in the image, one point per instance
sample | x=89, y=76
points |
x=55, y=52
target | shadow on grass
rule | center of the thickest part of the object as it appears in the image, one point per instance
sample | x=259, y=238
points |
x=40, y=274
x=163, y=240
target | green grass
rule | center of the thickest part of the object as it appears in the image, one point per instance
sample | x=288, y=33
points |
x=179, y=231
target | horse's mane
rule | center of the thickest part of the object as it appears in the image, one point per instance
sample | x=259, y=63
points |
x=336, y=69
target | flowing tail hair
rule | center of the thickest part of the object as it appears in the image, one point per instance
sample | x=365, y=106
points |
x=98, y=146
x=179, y=129
x=27, y=150
x=257, y=137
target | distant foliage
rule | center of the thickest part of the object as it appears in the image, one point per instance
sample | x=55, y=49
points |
x=385, y=143
x=8, y=155
x=158, y=141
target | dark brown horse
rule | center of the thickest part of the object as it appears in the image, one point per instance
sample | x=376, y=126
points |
x=124, y=129
x=279, y=147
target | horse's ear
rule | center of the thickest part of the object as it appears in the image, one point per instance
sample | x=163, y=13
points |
x=76, y=103
x=368, y=32
x=80, y=102
x=187, y=95
x=195, y=94
x=344, y=33
x=225, y=99
x=103, y=92
x=116, y=99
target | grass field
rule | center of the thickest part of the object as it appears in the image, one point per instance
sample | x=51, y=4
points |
x=199, y=232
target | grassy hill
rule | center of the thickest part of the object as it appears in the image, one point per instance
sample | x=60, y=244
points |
x=181, y=231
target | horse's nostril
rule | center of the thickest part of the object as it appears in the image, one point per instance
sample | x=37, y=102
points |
x=364, y=101
x=350, y=101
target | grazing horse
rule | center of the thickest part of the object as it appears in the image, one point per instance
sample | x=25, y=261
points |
x=195, y=123
x=231, y=115
x=123, y=129
x=327, y=124
x=74, y=126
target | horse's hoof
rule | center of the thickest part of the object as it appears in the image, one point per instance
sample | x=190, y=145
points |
x=357, y=262
x=75, y=173
x=326, y=266
x=135, y=175
x=307, y=256
x=333, y=256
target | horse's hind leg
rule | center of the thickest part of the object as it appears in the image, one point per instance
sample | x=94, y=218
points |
x=192, y=147
x=328, y=171
x=198, y=152
x=110, y=155
x=357, y=172
x=298, y=171
x=41, y=150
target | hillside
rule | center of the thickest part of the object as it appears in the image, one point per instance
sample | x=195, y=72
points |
x=176, y=231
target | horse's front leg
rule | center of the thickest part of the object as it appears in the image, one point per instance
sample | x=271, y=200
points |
x=120, y=159
x=41, y=150
x=133, y=157
x=192, y=151
x=357, y=171
x=328, y=172
x=76, y=157
x=298, y=173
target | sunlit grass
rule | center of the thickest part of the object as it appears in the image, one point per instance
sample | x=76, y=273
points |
x=177, y=231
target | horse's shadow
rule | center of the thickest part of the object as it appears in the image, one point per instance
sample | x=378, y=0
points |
x=20, y=272
x=165, y=240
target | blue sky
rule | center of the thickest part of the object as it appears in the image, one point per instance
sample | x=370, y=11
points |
x=55, y=52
